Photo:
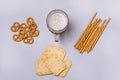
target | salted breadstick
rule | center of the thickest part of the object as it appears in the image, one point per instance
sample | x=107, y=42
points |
x=103, y=26
x=91, y=39
x=86, y=34
x=87, y=47
x=88, y=26
x=91, y=31
x=82, y=37
x=96, y=34
x=94, y=39
x=86, y=42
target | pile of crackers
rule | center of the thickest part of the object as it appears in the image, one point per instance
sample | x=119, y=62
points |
x=25, y=31
x=53, y=61
x=91, y=34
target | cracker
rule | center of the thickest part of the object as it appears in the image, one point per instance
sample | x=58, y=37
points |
x=41, y=68
x=55, y=50
x=68, y=64
x=55, y=64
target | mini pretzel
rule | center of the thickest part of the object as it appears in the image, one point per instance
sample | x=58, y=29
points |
x=36, y=33
x=28, y=40
x=17, y=38
x=15, y=27
x=29, y=20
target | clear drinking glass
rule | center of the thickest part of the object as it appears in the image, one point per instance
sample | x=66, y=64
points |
x=57, y=22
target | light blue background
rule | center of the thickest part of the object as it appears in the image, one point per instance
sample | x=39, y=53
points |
x=17, y=59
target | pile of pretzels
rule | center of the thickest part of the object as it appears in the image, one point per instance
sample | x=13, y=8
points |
x=25, y=31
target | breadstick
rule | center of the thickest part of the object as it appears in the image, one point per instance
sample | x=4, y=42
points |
x=92, y=39
x=88, y=26
x=95, y=39
x=91, y=31
x=86, y=34
x=102, y=28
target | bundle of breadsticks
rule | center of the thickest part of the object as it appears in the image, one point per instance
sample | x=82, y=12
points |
x=91, y=34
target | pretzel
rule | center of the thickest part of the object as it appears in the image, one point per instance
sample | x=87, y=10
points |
x=29, y=20
x=24, y=26
x=17, y=38
x=28, y=40
x=15, y=27
x=37, y=32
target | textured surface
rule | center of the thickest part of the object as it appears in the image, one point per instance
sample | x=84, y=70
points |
x=68, y=65
x=41, y=68
x=17, y=59
x=55, y=50
x=55, y=64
